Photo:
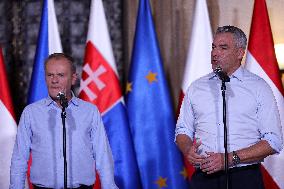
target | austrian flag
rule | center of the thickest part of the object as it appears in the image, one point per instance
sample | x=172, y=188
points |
x=261, y=60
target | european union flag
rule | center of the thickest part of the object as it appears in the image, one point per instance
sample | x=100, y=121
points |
x=151, y=116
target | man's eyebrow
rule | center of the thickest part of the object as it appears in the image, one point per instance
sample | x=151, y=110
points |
x=223, y=45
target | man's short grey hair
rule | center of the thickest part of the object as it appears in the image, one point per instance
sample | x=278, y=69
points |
x=58, y=56
x=239, y=35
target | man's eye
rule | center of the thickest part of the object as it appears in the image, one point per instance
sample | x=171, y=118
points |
x=60, y=75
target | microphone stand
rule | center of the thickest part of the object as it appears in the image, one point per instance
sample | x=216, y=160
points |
x=224, y=78
x=64, y=104
x=223, y=89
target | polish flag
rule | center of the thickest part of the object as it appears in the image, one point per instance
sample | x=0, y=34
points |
x=198, y=61
x=8, y=126
x=261, y=60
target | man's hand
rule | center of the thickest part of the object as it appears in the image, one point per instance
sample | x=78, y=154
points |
x=214, y=162
x=192, y=156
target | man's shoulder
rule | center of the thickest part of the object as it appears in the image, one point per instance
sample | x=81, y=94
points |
x=85, y=104
x=200, y=82
x=34, y=107
x=203, y=79
x=38, y=103
x=250, y=76
x=256, y=82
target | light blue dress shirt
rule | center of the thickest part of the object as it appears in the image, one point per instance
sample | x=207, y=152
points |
x=252, y=113
x=87, y=146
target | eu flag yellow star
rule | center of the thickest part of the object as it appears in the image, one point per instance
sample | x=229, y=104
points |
x=151, y=77
x=184, y=173
x=128, y=87
x=162, y=182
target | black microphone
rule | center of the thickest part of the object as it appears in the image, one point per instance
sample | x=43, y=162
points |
x=62, y=99
x=221, y=74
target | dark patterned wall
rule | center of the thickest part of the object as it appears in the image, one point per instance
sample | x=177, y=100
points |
x=6, y=26
x=19, y=27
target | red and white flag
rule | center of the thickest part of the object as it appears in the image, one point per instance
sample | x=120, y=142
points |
x=8, y=126
x=262, y=61
x=198, y=61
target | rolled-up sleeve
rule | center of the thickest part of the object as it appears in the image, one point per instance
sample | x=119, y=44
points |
x=269, y=119
x=185, y=122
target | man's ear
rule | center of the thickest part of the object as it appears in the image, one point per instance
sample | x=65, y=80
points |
x=241, y=53
x=74, y=78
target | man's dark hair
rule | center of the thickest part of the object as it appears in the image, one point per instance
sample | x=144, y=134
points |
x=239, y=35
x=58, y=56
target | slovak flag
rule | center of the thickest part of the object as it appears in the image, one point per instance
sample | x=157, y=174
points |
x=8, y=126
x=48, y=43
x=261, y=60
x=100, y=86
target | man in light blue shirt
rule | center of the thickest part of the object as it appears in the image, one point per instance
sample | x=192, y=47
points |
x=254, y=130
x=40, y=133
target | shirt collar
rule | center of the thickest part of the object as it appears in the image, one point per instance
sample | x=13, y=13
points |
x=74, y=100
x=238, y=74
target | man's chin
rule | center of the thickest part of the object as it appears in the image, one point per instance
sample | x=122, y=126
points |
x=53, y=95
x=213, y=67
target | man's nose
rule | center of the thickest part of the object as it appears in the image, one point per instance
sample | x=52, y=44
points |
x=54, y=79
x=215, y=52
